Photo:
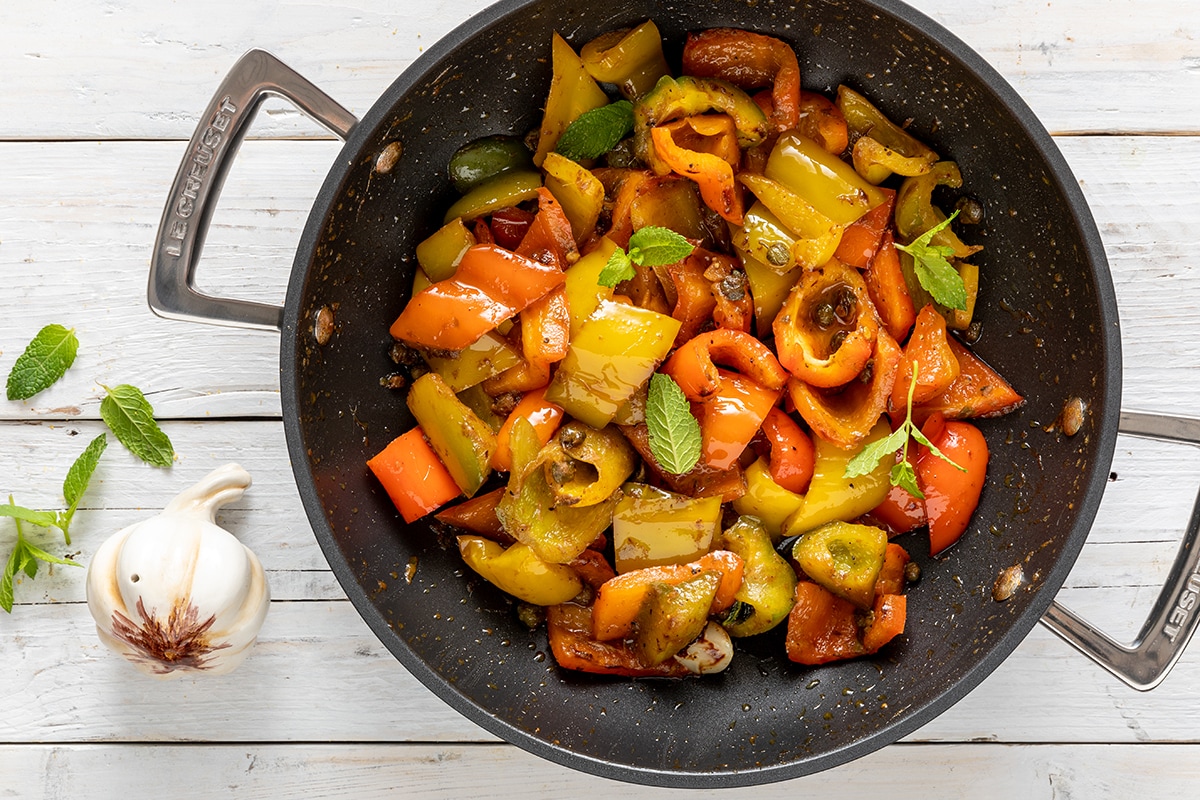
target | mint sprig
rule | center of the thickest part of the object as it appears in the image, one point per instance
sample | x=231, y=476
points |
x=903, y=474
x=651, y=246
x=595, y=132
x=937, y=275
x=45, y=359
x=674, y=432
x=131, y=418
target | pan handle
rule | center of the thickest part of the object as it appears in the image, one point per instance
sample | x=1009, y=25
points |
x=1176, y=612
x=193, y=198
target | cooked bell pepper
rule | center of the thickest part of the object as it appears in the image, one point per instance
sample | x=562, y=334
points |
x=888, y=148
x=503, y=191
x=669, y=201
x=546, y=324
x=485, y=158
x=731, y=417
x=620, y=600
x=541, y=414
x=653, y=527
x=823, y=627
x=572, y=92
x=861, y=240
x=766, y=500
x=951, y=494
x=672, y=98
x=708, y=158
x=828, y=183
x=439, y=254
x=845, y=417
x=556, y=534
x=768, y=588
x=891, y=578
x=916, y=214
x=623, y=193
x=509, y=226
x=462, y=441
x=936, y=365
x=979, y=391
x=480, y=402
x=519, y=572
x=490, y=285
x=825, y=334
x=768, y=289
x=792, y=453
x=831, y=495
x=888, y=289
x=702, y=481
x=413, y=476
x=478, y=515
x=674, y=615
x=615, y=351
x=488, y=355
x=900, y=512
x=844, y=558
x=817, y=236
x=584, y=290
x=750, y=61
x=823, y=122
x=631, y=58
x=524, y=377
x=578, y=190
x=695, y=300
x=592, y=568
x=735, y=307
x=693, y=365
x=584, y=466
x=569, y=629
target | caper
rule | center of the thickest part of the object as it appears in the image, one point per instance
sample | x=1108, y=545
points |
x=912, y=572
x=847, y=301
x=970, y=210
x=571, y=437
x=778, y=255
x=562, y=471
x=824, y=315
x=836, y=341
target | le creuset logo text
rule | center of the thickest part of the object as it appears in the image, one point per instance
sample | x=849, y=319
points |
x=1183, y=606
x=193, y=181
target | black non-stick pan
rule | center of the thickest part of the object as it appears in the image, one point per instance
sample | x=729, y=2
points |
x=1049, y=324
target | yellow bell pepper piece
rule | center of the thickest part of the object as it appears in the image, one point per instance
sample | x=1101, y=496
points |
x=578, y=191
x=519, y=572
x=653, y=527
x=572, y=92
x=831, y=496
x=767, y=500
x=440, y=253
x=829, y=184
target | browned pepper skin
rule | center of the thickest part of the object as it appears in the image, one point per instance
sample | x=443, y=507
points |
x=749, y=61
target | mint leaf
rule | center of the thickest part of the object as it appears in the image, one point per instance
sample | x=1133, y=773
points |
x=904, y=476
x=44, y=519
x=674, y=432
x=870, y=455
x=937, y=275
x=76, y=482
x=619, y=268
x=131, y=418
x=6, y=582
x=595, y=132
x=44, y=361
x=42, y=555
x=921, y=439
x=653, y=246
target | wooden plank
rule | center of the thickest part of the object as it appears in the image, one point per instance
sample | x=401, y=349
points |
x=72, y=69
x=79, y=257
x=978, y=771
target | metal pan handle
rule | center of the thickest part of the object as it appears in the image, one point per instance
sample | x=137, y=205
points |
x=193, y=198
x=1176, y=612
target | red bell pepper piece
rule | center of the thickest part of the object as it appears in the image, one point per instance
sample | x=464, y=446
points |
x=979, y=391
x=823, y=122
x=569, y=627
x=694, y=364
x=413, y=475
x=823, y=627
x=937, y=367
x=888, y=291
x=509, y=226
x=478, y=515
x=750, y=61
x=701, y=481
x=951, y=495
x=792, y=454
x=862, y=238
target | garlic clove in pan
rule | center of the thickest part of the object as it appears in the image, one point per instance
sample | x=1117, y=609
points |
x=176, y=594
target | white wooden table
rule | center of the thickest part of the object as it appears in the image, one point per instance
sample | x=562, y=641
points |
x=98, y=100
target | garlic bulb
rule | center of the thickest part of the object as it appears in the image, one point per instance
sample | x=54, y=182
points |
x=176, y=593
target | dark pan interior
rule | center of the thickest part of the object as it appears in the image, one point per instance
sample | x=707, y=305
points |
x=1049, y=324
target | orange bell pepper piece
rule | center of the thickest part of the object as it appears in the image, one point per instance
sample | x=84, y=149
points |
x=619, y=600
x=489, y=285
x=823, y=122
x=712, y=167
x=862, y=238
x=951, y=495
x=749, y=61
x=627, y=191
x=891, y=576
x=979, y=391
x=888, y=291
x=730, y=418
x=899, y=512
x=825, y=332
x=792, y=454
x=937, y=367
x=543, y=415
x=569, y=629
x=846, y=417
x=701, y=481
x=887, y=622
x=695, y=302
x=823, y=627
x=413, y=475
x=694, y=364
x=478, y=515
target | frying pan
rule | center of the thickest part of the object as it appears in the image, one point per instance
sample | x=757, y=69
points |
x=1049, y=324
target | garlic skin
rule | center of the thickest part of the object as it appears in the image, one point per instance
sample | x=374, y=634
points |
x=176, y=594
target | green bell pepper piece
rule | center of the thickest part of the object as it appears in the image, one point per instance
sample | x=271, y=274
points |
x=461, y=439
x=674, y=616
x=483, y=159
x=844, y=558
x=503, y=191
x=768, y=581
x=489, y=355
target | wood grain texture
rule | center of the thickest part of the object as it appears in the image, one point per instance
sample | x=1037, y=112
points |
x=981, y=772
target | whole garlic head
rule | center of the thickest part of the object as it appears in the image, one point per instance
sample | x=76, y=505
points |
x=176, y=593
